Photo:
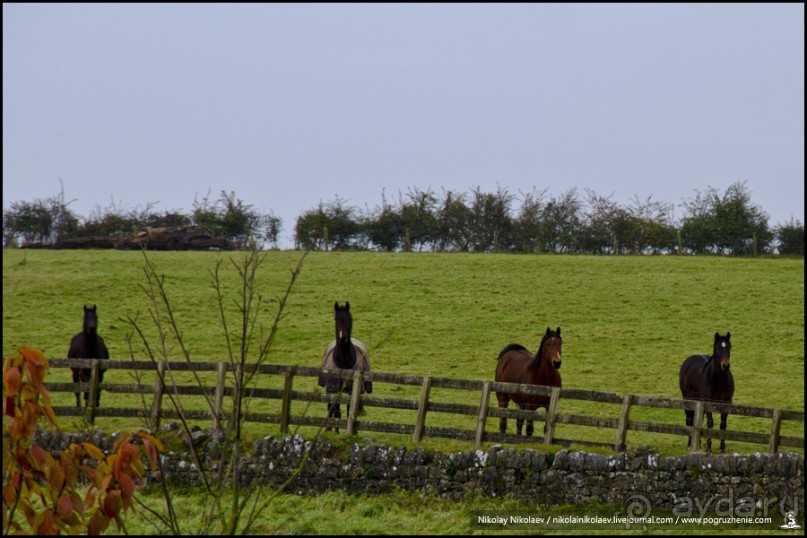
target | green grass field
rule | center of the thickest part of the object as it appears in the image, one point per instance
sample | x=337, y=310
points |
x=627, y=323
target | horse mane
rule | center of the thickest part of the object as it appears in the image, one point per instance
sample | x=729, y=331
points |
x=535, y=364
x=511, y=347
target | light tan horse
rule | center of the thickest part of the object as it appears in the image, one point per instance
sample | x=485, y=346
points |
x=346, y=353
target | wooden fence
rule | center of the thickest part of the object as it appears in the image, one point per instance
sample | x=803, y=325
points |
x=152, y=407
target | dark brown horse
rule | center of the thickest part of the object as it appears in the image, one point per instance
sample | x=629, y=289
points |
x=709, y=379
x=346, y=353
x=88, y=344
x=517, y=365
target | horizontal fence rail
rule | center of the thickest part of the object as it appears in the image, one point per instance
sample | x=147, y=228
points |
x=154, y=409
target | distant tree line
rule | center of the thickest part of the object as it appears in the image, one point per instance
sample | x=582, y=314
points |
x=478, y=221
x=49, y=221
x=714, y=222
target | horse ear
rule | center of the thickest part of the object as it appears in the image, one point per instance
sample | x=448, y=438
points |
x=717, y=336
x=336, y=305
x=93, y=308
x=548, y=330
x=347, y=305
x=85, y=308
x=728, y=335
x=558, y=331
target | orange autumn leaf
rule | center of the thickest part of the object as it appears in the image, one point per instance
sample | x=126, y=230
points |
x=129, y=452
x=51, y=415
x=106, y=482
x=49, y=525
x=33, y=355
x=78, y=506
x=9, y=493
x=11, y=382
x=16, y=429
x=98, y=524
x=40, y=456
x=70, y=468
x=93, y=451
x=127, y=486
x=150, y=438
x=9, y=407
x=34, y=373
x=56, y=477
x=65, y=506
x=113, y=503
x=151, y=450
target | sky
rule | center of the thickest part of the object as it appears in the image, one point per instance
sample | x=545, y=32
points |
x=287, y=106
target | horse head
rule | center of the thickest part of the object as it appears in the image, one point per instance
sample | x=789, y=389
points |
x=550, y=348
x=90, y=320
x=344, y=322
x=722, y=351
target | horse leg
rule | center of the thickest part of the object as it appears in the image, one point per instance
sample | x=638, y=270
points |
x=690, y=421
x=337, y=413
x=723, y=418
x=98, y=393
x=503, y=401
x=85, y=376
x=530, y=426
x=333, y=412
x=519, y=421
x=710, y=423
x=88, y=378
x=76, y=379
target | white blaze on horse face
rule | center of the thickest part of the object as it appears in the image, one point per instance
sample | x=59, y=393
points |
x=557, y=359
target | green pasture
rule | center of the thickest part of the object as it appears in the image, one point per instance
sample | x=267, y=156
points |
x=627, y=323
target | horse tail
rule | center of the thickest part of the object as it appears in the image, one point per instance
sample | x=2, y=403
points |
x=511, y=347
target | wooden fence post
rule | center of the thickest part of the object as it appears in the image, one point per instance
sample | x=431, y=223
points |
x=358, y=386
x=483, y=414
x=159, y=389
x=285, y=403
x=622, y=428
x=221, y=379
x=776, y=424
x=697, y=424
x=96, y=366
x=551, y=414
x=423, y=402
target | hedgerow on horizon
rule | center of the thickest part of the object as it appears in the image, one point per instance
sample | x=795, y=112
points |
x=718, y=223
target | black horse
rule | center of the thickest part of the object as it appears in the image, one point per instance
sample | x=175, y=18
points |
x=709, y=379
x=88, y=344
x=346, y=353
x=517, y=365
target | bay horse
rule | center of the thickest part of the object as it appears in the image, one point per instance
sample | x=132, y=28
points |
x=517, y=365
x=709, y=379
x=347, y=353
x=88, y=344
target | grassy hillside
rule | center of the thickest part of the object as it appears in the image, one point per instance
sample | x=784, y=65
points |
x=627, y=322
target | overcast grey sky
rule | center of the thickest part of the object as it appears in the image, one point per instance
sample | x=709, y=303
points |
x=290, y=105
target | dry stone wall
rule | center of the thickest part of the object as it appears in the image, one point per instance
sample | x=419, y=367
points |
x=568, y=477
